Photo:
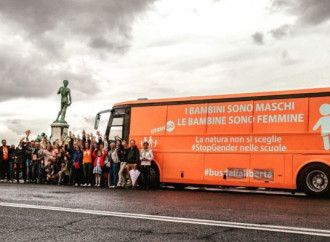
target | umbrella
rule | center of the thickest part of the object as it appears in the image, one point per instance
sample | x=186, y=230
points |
x=134, y=174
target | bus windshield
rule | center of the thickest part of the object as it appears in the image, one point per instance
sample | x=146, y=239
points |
x=116, y=127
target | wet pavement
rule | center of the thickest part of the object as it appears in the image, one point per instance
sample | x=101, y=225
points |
x=27, y=224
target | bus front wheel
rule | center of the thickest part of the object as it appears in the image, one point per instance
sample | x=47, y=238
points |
x=314, y=180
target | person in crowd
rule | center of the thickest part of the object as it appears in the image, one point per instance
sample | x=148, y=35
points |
x=49, y=169
x=87, y=164
x=64, y=163
x=20, y=160
x=64, y=173
x=43, y=143
x=46, y=154
x=77, y=170
x=55, y=164
x=146, y=156
x=67, y=146
x=56, y=149
x=12, y=163
x=41, y=165
x=114, y=158
x=123, y=162
x=5, y=158
x=30, y=147
x=99, y=157
x=35, y=162
x=103, y=146
x=95, y=146
x=133, y=158
x=59, y=157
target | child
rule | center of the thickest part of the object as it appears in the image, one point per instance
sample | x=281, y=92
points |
x=99, y=157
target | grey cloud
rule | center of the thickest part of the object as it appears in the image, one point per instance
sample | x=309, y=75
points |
x=47, y=27
x=102, y=43
x=307, y=11
x=28, y=77
x=280, y=32
x=258, y=38
x=22, y=77
x=73, y=18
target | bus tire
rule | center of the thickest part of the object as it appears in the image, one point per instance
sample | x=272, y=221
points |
x=314, y=180
x=154, y=176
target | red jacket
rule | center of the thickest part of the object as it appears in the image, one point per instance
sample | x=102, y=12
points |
x=101, y=158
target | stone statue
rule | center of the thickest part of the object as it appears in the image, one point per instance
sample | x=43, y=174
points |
x=65, y=101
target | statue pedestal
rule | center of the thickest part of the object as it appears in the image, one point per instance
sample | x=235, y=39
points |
x=58, y=129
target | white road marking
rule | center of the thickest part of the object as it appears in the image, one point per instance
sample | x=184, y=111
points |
x=261, y=227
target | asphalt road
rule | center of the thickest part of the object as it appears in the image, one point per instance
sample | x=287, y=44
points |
x=99, y=214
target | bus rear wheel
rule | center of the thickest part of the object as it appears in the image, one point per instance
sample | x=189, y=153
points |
x=314, y=180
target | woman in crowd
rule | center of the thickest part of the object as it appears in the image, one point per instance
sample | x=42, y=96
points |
x=87, y=164
x=76, y=169
x=103, y=144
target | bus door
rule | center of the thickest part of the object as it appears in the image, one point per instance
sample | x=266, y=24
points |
x=119, y=123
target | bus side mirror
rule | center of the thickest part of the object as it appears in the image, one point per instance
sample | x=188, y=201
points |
x=97, y=121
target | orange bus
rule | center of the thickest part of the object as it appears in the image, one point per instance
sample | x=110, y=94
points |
x=277, y=140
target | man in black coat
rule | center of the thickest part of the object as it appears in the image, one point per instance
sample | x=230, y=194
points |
x=5, y=156
x=133, y=158
x=20, y=155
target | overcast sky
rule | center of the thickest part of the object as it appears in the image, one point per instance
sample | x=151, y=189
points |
x=113, y=51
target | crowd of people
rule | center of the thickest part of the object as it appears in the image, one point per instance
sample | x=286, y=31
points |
x=87, y=161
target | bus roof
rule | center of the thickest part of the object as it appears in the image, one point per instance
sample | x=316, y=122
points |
x=300, y=93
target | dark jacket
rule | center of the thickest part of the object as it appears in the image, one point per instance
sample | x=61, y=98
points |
x=133, y=156
x=9, y=153
x=20, y=154
x=29, y=151
x=77, y=158
x=124, y=154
